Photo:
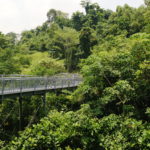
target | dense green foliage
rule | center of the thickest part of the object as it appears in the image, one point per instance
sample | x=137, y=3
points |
x=110, y=109
x=81, y=130
x=115, y=75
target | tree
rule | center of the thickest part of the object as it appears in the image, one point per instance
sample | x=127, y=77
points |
x=87, y=41
x=12, y=37
x=53, y=14
x=8, y=65
x=3, y=41
x=78, y=19
x=147, y=2
x=85, y=4
x=94, y=14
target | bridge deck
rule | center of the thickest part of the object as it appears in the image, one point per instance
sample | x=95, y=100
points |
x=10, y=85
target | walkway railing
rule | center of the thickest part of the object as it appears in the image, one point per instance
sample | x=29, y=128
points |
x=14, y=84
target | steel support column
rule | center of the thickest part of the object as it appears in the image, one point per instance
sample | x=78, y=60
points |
x=44, y=102
x=20, y=112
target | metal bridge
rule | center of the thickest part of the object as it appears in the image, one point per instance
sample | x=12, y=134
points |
x=21, y=84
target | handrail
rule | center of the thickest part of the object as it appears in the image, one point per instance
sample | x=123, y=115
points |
x=22, y=84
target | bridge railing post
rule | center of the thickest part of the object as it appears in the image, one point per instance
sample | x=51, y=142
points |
x=3, y=86
x=54, y=82
x=46, y=82
x=21, y=84
x=68, y=82
x=62, y=83
x=35, y=84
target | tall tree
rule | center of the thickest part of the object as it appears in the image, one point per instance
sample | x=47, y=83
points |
x=86, y=4
x=3, y=41
x=147, y=2
x=87, y=41
x=12, y=37
x=78, y=19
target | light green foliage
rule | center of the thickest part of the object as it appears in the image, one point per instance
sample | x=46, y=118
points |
x=147, y=2
x=121, y=91
x=8, y=65
x=114, y=77
x=53, y=15
x=65, y=46
x=147, y=17
x=1, y=144
x=94, y=16
x=42, y=64
x=3, y=41
x=12, y=38
x=126, y=20
x=60, y=43
x=79, y=129
x=58, y=17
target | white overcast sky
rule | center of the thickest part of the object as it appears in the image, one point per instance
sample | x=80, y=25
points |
x=19, y=15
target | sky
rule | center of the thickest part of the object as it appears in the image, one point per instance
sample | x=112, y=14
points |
x=19, y=15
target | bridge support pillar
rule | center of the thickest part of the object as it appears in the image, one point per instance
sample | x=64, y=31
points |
x=57, y=92
x=1, y=99
x=20, y=112
x=44, y=102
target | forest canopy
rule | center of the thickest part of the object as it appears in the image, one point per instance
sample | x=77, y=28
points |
x=111, y=108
